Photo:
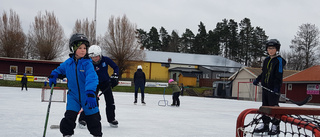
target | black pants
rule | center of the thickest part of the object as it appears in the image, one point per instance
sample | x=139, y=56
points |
x=68, y=124
x=108, y=97
x=24, y=85
x=269, y=99
x=175, y=98
x=136, y=89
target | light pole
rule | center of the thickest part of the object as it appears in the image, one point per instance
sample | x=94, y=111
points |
x=95, y=22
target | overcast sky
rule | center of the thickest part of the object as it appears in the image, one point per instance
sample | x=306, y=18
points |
x=279, y=18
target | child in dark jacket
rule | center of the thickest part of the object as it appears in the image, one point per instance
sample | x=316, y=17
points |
x=24, y=81
x=271, y=78
x=82, y=83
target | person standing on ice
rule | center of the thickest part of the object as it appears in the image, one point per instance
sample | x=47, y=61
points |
x=101, y=64
x=271, y=78
x=24, y=81
x=175, y=92
x=139, y=80
x=82, y=83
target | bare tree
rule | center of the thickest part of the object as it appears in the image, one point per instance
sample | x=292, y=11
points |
x=121, y=43
x=46, y=38
x=304, y=44
x=86, y=28
x=12, y=40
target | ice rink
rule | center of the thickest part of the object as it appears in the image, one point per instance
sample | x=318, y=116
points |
x=22, y=114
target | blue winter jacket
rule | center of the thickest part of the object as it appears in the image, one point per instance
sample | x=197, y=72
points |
x=102, y=69
x=81, y=78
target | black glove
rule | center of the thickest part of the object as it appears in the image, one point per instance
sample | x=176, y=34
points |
x=114, y=80
x=255, y=82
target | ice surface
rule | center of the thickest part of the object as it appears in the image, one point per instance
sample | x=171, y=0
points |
x=22, y=114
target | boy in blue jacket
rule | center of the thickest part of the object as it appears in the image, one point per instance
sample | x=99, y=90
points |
x=82, y=83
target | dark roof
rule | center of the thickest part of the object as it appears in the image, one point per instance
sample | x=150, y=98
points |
x=311, y=74
x=182, y=69
x=188, y=74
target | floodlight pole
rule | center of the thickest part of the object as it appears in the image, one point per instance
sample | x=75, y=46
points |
x=95, y=22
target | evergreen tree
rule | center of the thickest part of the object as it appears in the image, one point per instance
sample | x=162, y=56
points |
x=187, y=41
x=154, y=42
x=165, y=39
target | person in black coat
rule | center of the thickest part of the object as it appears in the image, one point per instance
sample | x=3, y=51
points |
x=139, y=82
x=24, y=81
x=271, y=78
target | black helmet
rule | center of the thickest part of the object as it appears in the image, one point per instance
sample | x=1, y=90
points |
x=274, y=43
x=75, y=38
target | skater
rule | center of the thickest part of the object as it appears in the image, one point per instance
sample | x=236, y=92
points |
x=82, y=83
x=271, y=77
x=24, y=81
x=100, y=64
x=139, y=81
x=176, y=92
x=182, y=89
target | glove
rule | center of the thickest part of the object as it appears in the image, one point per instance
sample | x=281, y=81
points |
x=91, y=101
x=53, y=78
x=255, y=82
x=276, y=90
x=114, y=80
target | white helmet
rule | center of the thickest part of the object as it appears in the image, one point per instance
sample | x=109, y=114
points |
x=94, y=51
x=139, y=67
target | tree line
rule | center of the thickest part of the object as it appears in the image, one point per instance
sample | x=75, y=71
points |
x=241, y=42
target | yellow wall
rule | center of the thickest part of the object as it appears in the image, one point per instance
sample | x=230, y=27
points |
x=188, y=81
x=153, y=71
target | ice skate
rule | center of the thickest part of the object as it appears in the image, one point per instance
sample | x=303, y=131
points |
x=143, y=103
x=114, y=123
x=275, y=130
x=82, y=124
x=263, y=128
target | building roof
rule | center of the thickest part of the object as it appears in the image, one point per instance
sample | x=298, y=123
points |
x=308, y=75
x=188, y=74
x=188, y=70
x=29, y=60
x=255, y=72
x=190, y=59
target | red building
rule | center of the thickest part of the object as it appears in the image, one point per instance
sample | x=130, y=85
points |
x=299, y=85
x=17, y=66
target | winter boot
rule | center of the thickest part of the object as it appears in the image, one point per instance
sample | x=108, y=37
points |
x=135, y=101
x=142, y=101
x=82, y=124
x=275, y=130
x=114, y=123
x=263, y=128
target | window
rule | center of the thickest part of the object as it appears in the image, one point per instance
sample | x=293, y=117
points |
x=289, y=86
x=13, y=69
x=28, y=70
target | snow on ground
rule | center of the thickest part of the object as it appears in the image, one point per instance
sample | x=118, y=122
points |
x=22, y=114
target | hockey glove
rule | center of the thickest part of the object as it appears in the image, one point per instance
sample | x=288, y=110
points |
x=91, y=101
x=53, y=78
x=255, y=82
x=276, y=90
x=114, y=80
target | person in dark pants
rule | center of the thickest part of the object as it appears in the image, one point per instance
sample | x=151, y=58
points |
x=106, y=82
x=176, y=92
x=82, y=83
x=271, y=78
x=24, y=81
x=139, y=80
x=182, y=89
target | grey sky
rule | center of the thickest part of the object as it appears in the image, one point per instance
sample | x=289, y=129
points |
x=279, y=18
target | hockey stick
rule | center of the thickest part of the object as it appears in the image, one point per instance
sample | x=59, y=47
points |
x=48, y=111
x=299, y=103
